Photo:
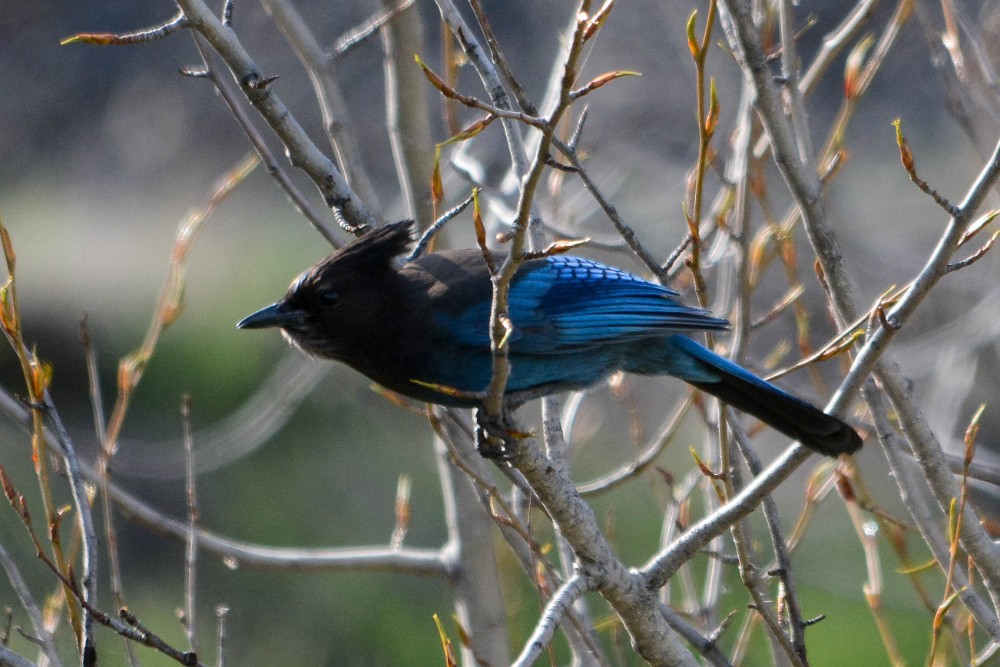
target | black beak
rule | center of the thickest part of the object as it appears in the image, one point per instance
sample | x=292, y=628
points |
x=278, y=314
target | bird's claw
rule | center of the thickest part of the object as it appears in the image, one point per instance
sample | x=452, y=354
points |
x=495, y=439
x=491, y=447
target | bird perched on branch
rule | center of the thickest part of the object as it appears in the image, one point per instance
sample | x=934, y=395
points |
x=422, y=329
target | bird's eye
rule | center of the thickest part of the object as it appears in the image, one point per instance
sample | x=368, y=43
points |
x=328, y=298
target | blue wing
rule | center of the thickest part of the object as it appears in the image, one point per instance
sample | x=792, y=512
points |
x=569, y=304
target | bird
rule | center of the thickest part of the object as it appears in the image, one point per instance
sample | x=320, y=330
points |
x=421, y=328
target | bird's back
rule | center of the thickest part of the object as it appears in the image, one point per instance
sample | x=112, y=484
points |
x=574, y=320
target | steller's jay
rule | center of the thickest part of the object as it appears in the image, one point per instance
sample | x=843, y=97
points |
x=422, y=329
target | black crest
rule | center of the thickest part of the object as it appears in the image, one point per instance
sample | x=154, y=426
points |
x=369, y=254
x=378, y=246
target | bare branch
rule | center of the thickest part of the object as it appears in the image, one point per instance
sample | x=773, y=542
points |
x=362, y=33
x=229, y=95
x=24, y=595
x=406, y=107
x=323, y=75
x=557, y=608
x=302, y=152
x=191, y=543
x=179, y=22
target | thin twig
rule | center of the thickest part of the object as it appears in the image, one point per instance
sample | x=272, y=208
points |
x=975, y=540
x=582, y=643
x=425, y=239
x=419, y=562
x=36, y=376
x=663, y=565
x=626, y=232
x=222, y=613
x=332, y=104
x=408, y=118
x=646, y=458
x=497, y=56
x=793, y=607
x=227, y=92
x=191, y=546
x=10, y=659
x=93, y=378
x=143, y=36
x=558, y=606
x=17, y=583
x=302, y=152
x=361, y=33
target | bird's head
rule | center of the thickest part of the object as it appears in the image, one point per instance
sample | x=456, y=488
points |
x=338, y=302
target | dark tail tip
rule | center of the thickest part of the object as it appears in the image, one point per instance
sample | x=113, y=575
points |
x=836, y=437
x=787, y=414
x=745, y=391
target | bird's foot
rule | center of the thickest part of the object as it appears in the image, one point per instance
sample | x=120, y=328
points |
x=496, y=437
x=491, y=446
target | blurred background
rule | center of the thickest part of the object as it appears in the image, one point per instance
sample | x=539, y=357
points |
x=104, y=150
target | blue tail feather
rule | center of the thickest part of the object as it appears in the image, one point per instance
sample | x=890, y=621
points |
x=745, y=391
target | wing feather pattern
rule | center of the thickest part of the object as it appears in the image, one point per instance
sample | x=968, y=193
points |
x=567, y=304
